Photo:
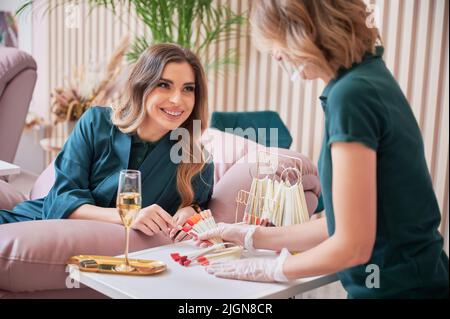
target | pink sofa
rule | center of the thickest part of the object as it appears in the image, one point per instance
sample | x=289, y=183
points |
x=33, y=254
x=17, y=79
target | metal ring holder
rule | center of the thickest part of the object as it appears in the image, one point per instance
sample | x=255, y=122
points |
x=244, y=197
x=296, y=171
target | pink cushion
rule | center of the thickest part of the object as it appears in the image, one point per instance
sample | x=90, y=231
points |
x=226, y=149
x=33, y=254
x=9, y=197
x=44, y=182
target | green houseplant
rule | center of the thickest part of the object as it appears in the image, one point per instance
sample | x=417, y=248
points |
x=194, y=24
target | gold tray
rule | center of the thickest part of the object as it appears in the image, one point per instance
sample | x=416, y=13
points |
x=105, y=264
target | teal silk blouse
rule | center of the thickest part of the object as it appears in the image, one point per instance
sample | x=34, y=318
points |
x=87, y=172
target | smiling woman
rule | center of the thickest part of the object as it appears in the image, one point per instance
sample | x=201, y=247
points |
x=166, y=91
x=171, y=102
x=380, y=233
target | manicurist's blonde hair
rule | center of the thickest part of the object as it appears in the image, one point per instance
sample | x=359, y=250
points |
x=327, y=33
x=144, y=78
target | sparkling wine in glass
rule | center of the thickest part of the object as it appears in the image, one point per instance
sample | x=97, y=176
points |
x=128, y=205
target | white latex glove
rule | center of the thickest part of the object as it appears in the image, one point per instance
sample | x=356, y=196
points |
x=240, y=234
x=252, y=269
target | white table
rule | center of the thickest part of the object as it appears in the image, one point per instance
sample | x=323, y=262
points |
x=192, y=282
x=8, y=169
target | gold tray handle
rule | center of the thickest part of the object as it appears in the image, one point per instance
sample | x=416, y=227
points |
x=106, y=264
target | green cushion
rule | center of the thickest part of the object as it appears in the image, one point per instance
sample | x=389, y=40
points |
x=240, y=122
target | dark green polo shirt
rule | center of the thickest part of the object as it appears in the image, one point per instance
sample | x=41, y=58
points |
x=365, y=104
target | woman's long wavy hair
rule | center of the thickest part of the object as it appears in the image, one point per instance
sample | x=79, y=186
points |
x=144, y=78
x=329, y=34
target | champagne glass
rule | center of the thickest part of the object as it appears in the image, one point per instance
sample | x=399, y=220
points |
x=128, y=206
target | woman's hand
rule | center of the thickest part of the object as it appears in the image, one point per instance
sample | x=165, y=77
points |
x=152, y=220
x=252, y=269
x=240, y=234
x=179, y=219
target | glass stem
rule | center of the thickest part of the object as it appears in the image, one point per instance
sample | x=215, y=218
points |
x=127, y=237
